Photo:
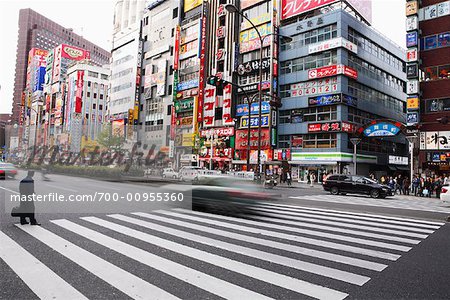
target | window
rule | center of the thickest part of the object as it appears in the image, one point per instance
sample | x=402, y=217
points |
x=101, y=96
x=100, y=107
x=322, y=140
x=175, y=13
x=89, y=83
x=88, y=94
x=310, y=62
x=94, y=106
x=437, y=72
x=95, y=95
x=310, y=37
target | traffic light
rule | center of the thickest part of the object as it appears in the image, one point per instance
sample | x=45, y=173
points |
x=130, y=116
x=218, y=83
x=275, y=102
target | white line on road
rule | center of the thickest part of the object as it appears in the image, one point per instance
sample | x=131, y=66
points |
x=290, y=237
x=37, y=276
x=126, y=282
x=254, y=253
x=267, y=243
x=55, y=186
x=8, y=190
x=251, y=271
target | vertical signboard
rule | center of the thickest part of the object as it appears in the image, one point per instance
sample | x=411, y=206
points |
x=79, y=92
x=209, y=106
x=176, y=55
x=202, y=56
x=226, y=112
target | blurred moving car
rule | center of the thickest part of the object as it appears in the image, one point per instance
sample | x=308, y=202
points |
x=353, y=184
x=7, y=170
x=169, y=173
x=189, y=173
x=445, y=193
x=228, y=195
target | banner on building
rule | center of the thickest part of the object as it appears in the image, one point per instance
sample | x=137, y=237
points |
x=209, y=106
x=79, y=92
x=254, y=121
x=227, y=119
x=191, y=4
x=291, y=8
x=332, y=71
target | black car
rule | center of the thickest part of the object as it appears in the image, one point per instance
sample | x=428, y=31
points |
x=353, y=184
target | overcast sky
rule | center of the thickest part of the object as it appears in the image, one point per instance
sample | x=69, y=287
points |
x=93, y=20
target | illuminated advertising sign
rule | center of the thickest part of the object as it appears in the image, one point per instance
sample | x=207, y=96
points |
x=241, y=142
x=333, y=99
x=202, y=56
x=226, y=107
x=435, y=140
x=412, y=8
x=330, y=127
x=253, y=66
x=184, y=105
x=254, y=44
x=412, y=103
x=191, y=4
x=187, y=85
x=39, y=79
x=411, y=39
x=314, y=87
x=290, y=8
x=56, y=71
x=254, y=121
x=220, y=132
x=264, y=18
x=412, y=118
x=411, y=55
x=176, y=52
x=242, y=109
x=412, y=71
x=332, y=71
x=74, y=53
x=209, y=105
x=412, y=87
x=79, y=92
x=332, y=44
x=412, y=23
x=381, y=129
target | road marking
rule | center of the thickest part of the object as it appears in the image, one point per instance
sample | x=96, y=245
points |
x=355, y=213
x=280, y=235
x=37, y=276
x=346, y=220
x=321, y=234
x=272, y=258
x=271, y=277
x=55, y=186
x=342, y=214
x=194, y=277
x=267, y=243
x=126, y=282
x=8, y=190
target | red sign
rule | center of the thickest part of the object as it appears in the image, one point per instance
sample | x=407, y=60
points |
x=201, y=74
x=220, y=55
x=173, y=122
x=74, y=53
x=331, y=127
x=176, y=50
x=226, y=108
x=332, y=71
x=242, y=139
x=290, y=8
x=78, y=95
x=220, y=132
x=209, y=106
x=297, y=142
x=220, y=32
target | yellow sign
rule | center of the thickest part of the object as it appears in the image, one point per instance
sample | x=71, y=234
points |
x=411, y=8
x=191, y=4
x=412, y=103
x=188, y=139
x=251, y=34
x=264, y=18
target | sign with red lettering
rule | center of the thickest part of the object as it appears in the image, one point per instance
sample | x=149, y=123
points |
x=332, y=71
x=331, y=127
x=242, y=139
x=290, y=8
x=220, y=132
x=78, y=95
x=226, y=108
x=209, y=105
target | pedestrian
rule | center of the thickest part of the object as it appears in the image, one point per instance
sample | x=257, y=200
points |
x=308, y=178
x=288, y=178
x=427, y=187
x=406, y=185
x=27, y=209
x=313, y=178
x=438, y=187
x=415, y=185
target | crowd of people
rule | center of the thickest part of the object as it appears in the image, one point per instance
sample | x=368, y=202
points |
x=421, y=186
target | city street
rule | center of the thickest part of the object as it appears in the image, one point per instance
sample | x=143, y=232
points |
x=305, y=245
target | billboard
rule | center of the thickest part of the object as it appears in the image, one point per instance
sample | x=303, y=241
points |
x=191, y=4
x=39, y=79
x=363, y=7
x=291, y=8
x=74, y=53
x=435, y=140
x=242, y=109
x=332, y=71
x=331, y=44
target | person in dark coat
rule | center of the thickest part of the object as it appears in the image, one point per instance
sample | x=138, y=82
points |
x=26, y=189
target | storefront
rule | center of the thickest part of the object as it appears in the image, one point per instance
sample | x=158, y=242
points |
x=303, y=163
x=216, y=148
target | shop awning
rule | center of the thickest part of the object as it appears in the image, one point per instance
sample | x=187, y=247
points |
x=403, y=168
x=312, y=163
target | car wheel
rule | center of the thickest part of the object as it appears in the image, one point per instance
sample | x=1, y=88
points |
x=374, y=193
x=334, y=190
x=174, y=176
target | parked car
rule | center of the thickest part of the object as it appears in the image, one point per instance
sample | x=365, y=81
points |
x=169, y=173
x=353, y=184
x=445, y=193
x=7, y=170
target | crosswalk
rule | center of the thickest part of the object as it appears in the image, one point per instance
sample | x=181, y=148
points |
x=399, y=202
x=282, y=251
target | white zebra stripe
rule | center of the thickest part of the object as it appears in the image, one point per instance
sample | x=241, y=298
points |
x=286, y=282
x=204, y=281
x=272, y=244
x=37, y=276
x=272, y=258
x=126, y=282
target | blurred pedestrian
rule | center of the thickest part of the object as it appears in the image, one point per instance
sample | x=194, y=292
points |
x=406, y=185
x=313, y=178
x=288, y=178
x=27, y=209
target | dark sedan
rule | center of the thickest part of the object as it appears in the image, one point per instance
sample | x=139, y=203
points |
x=353, y=184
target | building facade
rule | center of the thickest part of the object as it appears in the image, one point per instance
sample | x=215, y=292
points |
x=428, y=41
x=336, y=75
x=37, y=31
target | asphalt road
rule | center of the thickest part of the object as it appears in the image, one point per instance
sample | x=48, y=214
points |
x=296, y=247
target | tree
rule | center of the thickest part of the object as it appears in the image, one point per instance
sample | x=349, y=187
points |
x=112, y=142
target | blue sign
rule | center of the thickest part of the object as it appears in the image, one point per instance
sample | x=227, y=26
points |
x=254, y=121
x=332, y=99
x=349, y=100
x=411, y=39
x=412, y=118
x=242, y=109
x=39, y=79
x=185, y=85
x=381, y=129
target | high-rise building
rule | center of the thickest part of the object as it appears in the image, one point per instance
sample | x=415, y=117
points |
x=336, y=75
x=126, y=64
x=428, y=54
x=37, y=31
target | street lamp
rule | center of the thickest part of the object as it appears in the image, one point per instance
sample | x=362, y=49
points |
x=233, y=9
x=355, y=142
